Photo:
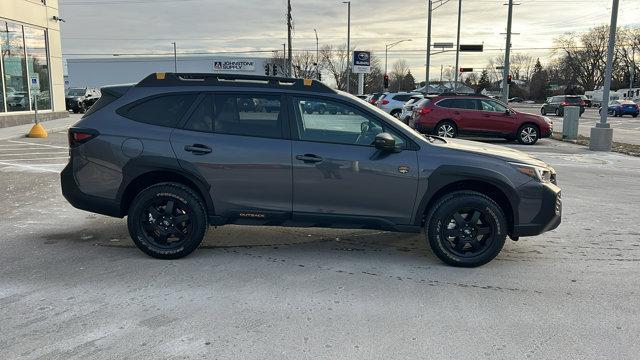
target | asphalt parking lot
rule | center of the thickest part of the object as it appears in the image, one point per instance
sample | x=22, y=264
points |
x=72, y=286
x=626, y=129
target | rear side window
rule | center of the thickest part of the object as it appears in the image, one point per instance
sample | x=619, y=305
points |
x=164, y=110
x=403, y=97
x=248, y=115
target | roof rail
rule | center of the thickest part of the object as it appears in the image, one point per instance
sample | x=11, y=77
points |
x=161, y=79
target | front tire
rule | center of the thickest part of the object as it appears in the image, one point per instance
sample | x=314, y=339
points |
x=543, y=111
x=528, y=134
x=167, y=221
x=466, y=229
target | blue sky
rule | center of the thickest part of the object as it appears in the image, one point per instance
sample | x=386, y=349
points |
x=149, y=26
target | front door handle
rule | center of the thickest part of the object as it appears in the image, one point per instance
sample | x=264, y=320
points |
x=309, y=158
x=198, y=149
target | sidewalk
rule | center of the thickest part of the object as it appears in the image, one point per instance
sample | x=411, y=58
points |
x=51, y=126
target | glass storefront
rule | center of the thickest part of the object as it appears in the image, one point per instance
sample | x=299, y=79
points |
x=25, y=68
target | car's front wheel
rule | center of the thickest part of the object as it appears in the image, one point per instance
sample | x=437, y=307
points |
x=446, y=129
x=543, y=111
x=167, y=221
x=466, y=229
x=528, y=134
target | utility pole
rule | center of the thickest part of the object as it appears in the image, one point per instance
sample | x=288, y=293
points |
x=441, y=70
x=428, y=62
x=632, y=68
x=289, y=26
x=455, y=84
x=284, y=60
x=505, y=70
x=348, y=43
x=175, y=58
x=317, y=55
x=602, y=133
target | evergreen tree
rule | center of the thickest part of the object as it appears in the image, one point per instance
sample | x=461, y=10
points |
x=539, y=83
x=484, y=82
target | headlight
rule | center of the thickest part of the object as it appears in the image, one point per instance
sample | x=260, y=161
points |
x=539, y=173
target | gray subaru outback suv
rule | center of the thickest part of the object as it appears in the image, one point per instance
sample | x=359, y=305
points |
x=178, y=152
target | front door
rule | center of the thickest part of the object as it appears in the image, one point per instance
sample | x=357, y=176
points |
x=337, y=172
x=237, y=143
x=495, y=118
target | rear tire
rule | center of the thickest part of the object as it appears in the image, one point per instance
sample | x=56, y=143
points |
x=466, y=229
x=395, y=114
x=167, y=221
x=446, y=129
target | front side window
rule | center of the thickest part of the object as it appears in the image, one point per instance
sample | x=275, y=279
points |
x=492, y=106
x=334, y=122
x=164, y=110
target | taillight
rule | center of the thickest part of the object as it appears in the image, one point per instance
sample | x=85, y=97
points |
x=80, y=136
x=564, y=103
x=383, y=102
x=582, y=103
x=425, y=111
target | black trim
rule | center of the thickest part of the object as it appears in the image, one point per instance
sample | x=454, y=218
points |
x=82, y=201
x=123, y=110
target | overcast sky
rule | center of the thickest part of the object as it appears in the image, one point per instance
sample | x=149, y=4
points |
x=149, y=26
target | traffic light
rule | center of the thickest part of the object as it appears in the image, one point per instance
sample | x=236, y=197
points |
x=266, y=69
x=509, y=79
x=275, y=70
x=385, y=81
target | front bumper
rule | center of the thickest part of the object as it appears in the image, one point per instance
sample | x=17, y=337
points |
x=82, y=201
x=540, y=209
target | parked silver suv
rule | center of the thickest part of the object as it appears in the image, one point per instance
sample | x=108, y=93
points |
x=178, y=152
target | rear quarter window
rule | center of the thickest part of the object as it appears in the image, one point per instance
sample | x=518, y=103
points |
x=163, y=110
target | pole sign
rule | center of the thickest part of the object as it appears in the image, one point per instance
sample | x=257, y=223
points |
x=361, y=62
x=34, y=82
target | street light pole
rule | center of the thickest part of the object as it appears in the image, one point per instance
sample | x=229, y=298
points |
x=428, y=62
x=602, y=133
x=317, y=55
x=455, y=84
x=348, y=42
x=175, y=58
x=386, y=51
x=507, y=52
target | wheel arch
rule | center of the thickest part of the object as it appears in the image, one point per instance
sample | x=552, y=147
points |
x=447, y=182
x=148, y=176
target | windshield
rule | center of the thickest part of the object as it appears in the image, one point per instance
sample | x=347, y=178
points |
x=76, y=92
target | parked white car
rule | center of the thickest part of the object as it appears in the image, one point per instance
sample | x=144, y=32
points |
x=392, y=102
x=407, y=109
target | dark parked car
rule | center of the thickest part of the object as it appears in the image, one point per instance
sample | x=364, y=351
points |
x=620, y=108
x=453, y=115
x=555, y=104
x=176, y=155
x=79, y=100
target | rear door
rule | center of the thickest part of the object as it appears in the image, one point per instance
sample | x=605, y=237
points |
x=337, y=172
x=239, y=144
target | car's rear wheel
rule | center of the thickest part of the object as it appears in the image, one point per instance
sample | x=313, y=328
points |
x=167, y=221
x=528, y=134
x=466, y=229
x=558, y=112
x=446, y=129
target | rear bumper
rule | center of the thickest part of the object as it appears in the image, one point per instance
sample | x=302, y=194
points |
x=548, y=210
x=82, y=201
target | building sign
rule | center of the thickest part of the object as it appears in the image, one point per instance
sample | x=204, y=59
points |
x=361, y=62
x=234, y=65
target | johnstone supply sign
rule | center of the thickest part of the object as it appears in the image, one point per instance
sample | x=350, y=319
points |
x=234, y=65
x=361, y=62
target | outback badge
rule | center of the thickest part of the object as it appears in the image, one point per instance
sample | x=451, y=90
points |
x=403, y=169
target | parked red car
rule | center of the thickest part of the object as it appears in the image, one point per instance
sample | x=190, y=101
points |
x=453, y=115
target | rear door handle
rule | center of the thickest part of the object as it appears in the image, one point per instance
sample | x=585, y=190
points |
x=309, y=158
x=198, y=149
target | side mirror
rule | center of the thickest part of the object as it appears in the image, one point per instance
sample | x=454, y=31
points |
x=507, y=112
x=384, y=141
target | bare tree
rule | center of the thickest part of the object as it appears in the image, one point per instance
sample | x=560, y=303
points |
x=334, y=60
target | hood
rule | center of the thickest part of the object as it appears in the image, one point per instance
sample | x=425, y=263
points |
x=496, y=151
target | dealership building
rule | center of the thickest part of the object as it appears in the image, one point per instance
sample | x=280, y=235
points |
x=30, y=62
x=94, y=72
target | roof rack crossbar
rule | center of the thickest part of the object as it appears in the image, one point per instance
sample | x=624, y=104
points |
x=204, y=79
